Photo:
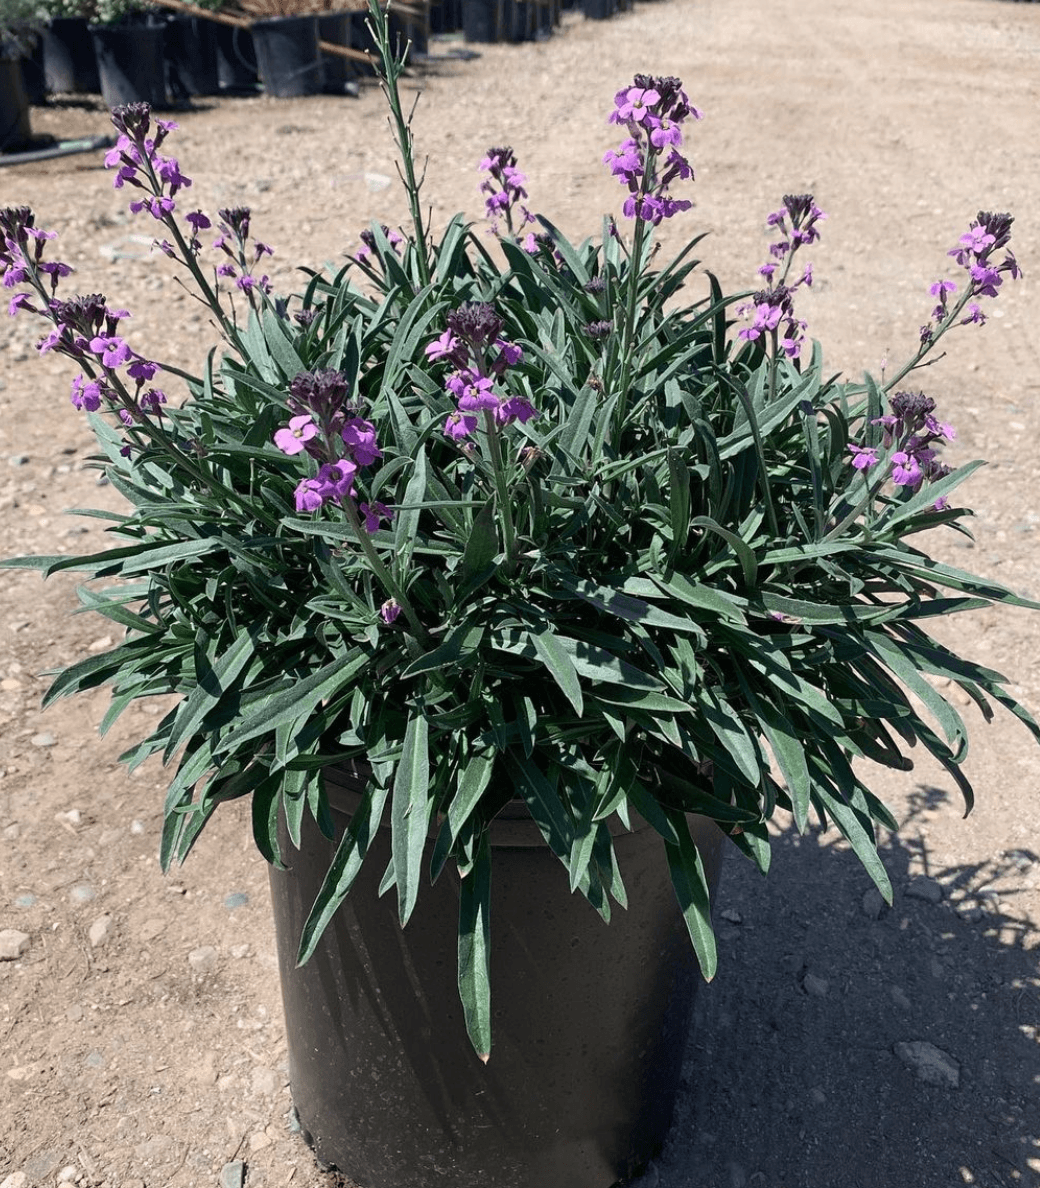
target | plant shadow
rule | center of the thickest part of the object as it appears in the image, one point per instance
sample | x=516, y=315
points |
x=802, y=1068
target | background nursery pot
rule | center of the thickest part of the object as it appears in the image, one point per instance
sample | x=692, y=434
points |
x=590, y=1019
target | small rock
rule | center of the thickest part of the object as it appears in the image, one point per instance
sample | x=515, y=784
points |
x=75, y=1013
x=931, y=1065
x=72, y=818
x=68, y=1174
x=43, y=739
x=94, y=1060
x=150, y=929
x=12, y=832
x=924, y=888
x=233, y=1174
x=899, y=998
x=971, y=915
x=819, y=1097
x=82, y=893
x=236, y=899
x=100, y=931
x=99, y=645
x=258, y=1141
x=266, y=1082
x=25, y=901
x=203, y=960
x=16, y=460
x=239, y=951
x=732, y=915
x=872, y=905
x=792, y=963
x=136, y=827
x=816, y=987
x=15, y=1180
x=13, y=944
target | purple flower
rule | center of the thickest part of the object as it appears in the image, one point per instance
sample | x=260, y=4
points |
x=458, y=426
x=906, y=469
x=21, y=301
x=294, y=438
x=390, y=610
x=142, y=370
x=478, y=394
x=113, y=350
x=199, y=222
x=863, y=457
x=86, y=394
x=360, y=439
x=445, y=347
x=374, y=512
x=309, y=495
x=516, y=408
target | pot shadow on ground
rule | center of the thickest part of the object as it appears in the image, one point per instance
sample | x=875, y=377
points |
x=792, y=1076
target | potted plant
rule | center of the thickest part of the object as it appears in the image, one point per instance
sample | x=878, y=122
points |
x=20, y=79
x=511, y=585
x=128, y=46
x=69, y=61
x=285, y=38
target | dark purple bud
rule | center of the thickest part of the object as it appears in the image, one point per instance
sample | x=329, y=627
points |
x=132, y=119
x=476, y=322
x=599, y=329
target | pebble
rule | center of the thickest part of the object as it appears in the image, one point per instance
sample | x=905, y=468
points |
x=12, y=832
x=17, y=460
x=924, y=888
x=68, y=1174
x=899, y=997
x=100, y=931
x=82, y=893
x=13, y=944
x=931, y=1065
x=43, y=739
x=239, y=951
x=732, y=915
x=872, y=905
x=94, y=1060
x=232, y=1175
x=266, y=1082
x=236, y=899
x=203, y=960
x=136, y=827
x=258, y=1141
x=15, y=1180
x=25, y=901
x=971, y=915
x=816, y=987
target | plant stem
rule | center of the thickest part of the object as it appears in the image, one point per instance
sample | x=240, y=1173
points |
x=501, y=489
x=381, y=572
x=390, y=70
x=635, y=273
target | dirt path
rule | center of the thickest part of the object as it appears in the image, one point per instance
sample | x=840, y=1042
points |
x=154, y=1056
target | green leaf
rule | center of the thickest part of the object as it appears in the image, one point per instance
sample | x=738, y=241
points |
x=482, y=546
x=295, y=699
x=213, y=683
x=691, y=890
x=410, y=811
x=454, y=651
x=344, y=869
x=561, y=667
x=475, y=950
x=623, y=606
x=406, y=526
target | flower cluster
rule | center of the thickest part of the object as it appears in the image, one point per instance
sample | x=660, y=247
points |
x=84, y=329
x=368, y=242
x=987, y=235
x=242, y=257
x=914, y=431
x=504, y=187
x=649, y=161
x=326, y=426
x=138, y=163
x=772, y=309
x=481, y=357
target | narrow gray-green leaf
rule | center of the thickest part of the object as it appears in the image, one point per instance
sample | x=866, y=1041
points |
x=410, y=811
x=475, y=950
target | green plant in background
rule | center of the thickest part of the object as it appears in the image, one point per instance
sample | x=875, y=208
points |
x=518, y=524
x=20, y=24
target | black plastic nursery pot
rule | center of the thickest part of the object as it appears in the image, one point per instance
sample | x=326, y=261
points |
x=287, y=56
x=190, y=48
x=334, y=27
x=15, y=130
x=589, y=1020
x=599, y=10
x=33, y=79
x=236, y=59
x=130, y=63
x=69, y=62
x=482, y=20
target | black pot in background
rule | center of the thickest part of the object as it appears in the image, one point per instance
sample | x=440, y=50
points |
x=334, y=27
x=190, y=47
x=130, y=63
x=15, y=130
x=446, y=16
x=287, y=55
x=599, y=10
x=236, y=59
x=69, y=62
x=518, y=20
x=482, y=20
x=590, y=1019
x=403, y=29
x=33, y=80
